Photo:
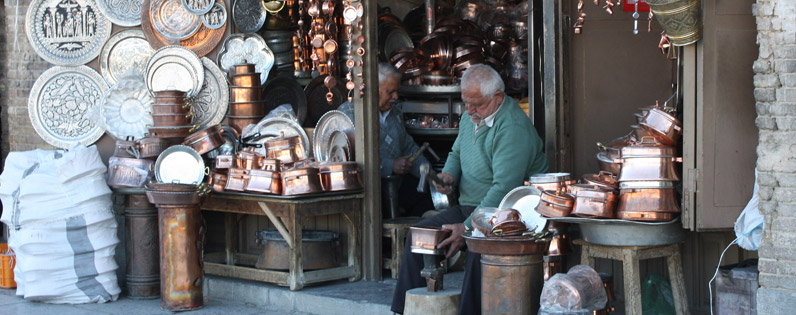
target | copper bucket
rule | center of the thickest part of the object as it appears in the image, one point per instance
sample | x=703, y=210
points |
x=681, y=19
x=246, y=79
x=143, y=271
x=181, y=249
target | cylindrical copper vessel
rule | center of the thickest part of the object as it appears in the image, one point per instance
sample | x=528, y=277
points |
x=143, y=271
x=514, y=278
x=181, y=246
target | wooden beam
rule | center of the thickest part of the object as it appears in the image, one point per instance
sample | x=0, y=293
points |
x=549, y=83
x=278, y=277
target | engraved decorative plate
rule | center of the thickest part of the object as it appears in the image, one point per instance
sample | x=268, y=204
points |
x=210, y=106
x=63, y=105
x=274, y=127
x=125, y=108
x=249, y=15
x=66, y=32
x=175, y=68
x=122, y=12
x=331, y=123
x=202, y=42
x=246, y=48
x=198, y=7
x=216, y=18
x=125, y=51
x=172, y=20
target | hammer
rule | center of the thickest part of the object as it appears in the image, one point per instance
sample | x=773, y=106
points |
x=417, y=154
x=427, y=171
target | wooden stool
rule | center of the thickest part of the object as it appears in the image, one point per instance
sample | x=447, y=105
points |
x=396, y=230
x=630, y=256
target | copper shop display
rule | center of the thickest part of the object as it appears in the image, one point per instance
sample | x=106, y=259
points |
x=320, y=250
x=287, y=149
x=264, y=182
x=239, y=94
x=237, y=179
x=245, y=79
x=181, y=250
x=273, y=165
x=338, y=176
x=594, y=204
x=143, y=271
x=205, y=140
x=607, y=164
x=299, y=181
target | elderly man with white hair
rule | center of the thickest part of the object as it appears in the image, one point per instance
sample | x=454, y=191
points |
x=396, y=145
x=496, y=149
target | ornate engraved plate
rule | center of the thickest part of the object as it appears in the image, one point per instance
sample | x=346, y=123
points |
x=172, y=20
x=125, y=51
x=198, y=7
x=66, y=32
x=216, y=18
x=210, y=106
x=249, y=15
x=246, y=48
x=329, y=124
x=202, y=42
x=63, y=105
x=175, y=68
x=122, y=12
x=126, y=107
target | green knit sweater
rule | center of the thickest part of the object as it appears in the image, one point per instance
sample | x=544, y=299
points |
x=488, y=164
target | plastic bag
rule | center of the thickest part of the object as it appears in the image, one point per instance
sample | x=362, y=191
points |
x=749, y=225
x=579, y=291
x=656, y=296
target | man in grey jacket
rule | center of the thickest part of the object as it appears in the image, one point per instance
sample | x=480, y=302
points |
x=396, y=145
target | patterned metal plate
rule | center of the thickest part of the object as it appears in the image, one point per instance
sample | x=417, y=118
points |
x=175, y=68
x=126, y=51
x=126, y=107
x=246, y=48
x=286, y=90
x=198, y=7
x=216, y=18
x=210, y=106
x=249, y=15
x=63, y=105
x=66, y=32
x=329, y=124
x=172, y=20
x=274, y=127
x=202, y=42
x=122, y=12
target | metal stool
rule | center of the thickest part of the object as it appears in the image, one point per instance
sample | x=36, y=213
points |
x=630, y=256
x=396, y=230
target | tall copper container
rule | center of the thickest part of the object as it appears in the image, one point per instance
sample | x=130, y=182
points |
x=181, y=246
x=143, y=271
x=515, y=278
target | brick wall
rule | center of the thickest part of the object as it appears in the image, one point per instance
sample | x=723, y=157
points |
x=775, y=93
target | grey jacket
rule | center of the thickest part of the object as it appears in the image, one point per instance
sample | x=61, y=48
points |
x=393, y=139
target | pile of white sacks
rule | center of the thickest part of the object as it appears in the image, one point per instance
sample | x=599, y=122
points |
x=58, y=209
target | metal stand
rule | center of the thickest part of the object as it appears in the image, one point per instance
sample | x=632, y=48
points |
x=433, y=272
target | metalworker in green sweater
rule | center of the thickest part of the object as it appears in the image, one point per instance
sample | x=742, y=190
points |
x=497, y=148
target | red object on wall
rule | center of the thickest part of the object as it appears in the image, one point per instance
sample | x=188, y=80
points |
x=630, y=6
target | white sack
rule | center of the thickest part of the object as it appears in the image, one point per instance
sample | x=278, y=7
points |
x=749, y=225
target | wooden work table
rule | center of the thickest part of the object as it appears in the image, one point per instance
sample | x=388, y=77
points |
x=287, y=214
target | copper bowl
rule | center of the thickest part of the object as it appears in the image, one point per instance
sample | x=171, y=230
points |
x=205, y=140
x=299, y=181
x=240, y=122
x=424, y=239
x=256, y=108
x=339, y=176
x=507, y=222
x=238, y=94
x=246, y=79
x=243, y=68
x=172, y=120
x=171, y=109
x=264, y=182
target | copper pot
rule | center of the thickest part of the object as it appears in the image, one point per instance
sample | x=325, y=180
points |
x=273, y=165
x=248, y=159
x=245, y=93
x=286, y=149
x=647, y=196
x=607, y=164
x=337, y=176
x=550, y=181
x=614, y=147
x=648, y=161
x=300, y=181
x=169, y=132
x=243, y=68
x=240, y=122
x=225, y=161
x=171, y=100
x=127, y=148
x=172, y=120
x=264, y=182
x=237, y=179
x=128, y=172
x=152, y=146
x=159, y=109
x=662, y=125
x=595, y=203
x=246, y=79
x=424, y=239
x=205, y=140
x=604, y=180
x=217, y=181
x=555, y=204
x=256, y=108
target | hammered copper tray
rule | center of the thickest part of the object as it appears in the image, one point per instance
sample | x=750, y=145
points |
x=202, y=42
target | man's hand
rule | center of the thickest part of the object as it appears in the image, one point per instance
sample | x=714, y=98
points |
x=456, y=241
x=447, y=179
x=401, y=165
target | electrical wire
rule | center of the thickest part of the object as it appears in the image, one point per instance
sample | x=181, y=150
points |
x=710, y=288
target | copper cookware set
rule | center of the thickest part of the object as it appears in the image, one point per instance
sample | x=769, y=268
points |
x=171, y=114
x=246, y=105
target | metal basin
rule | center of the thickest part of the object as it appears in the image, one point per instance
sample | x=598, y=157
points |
x=319, y=249
x=612, y=232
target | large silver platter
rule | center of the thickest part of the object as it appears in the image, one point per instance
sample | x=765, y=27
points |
x=172, y=20
x=615, y=232
x=125, y=51
x=180, y=164
x=63, y=105
x=328, y=125
x=66, y=32
x=246, y=48
x=210, y=106
x=340, y=149
x=175, y=68
x=525, y=199
x=198, y=7
x=126, y=107
x=122, y=12
x=249, y=15
x=274, y=127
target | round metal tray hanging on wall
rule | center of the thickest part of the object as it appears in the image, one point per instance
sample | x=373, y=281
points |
x=67, y=32
x=126, y=51
x=202, y=42
x=122, y=13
